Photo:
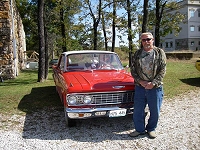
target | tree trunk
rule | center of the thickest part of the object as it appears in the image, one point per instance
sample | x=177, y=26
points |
x=113, y=26
x=64, y=48
x=95, y=25
x=159, y=14
x=41, y=69
x=145, y=16
x=46, y=54
x=130, y=40
x=104, y=31
x=46, y=44
x=157, y=26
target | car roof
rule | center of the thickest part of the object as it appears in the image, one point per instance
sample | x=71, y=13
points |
x=87, y=51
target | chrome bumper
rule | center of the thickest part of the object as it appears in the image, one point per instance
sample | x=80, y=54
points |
x=92, y=113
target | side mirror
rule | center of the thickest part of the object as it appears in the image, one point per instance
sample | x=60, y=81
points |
x=126, y=68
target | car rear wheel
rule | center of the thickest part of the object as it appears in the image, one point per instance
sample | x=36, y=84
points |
x=69, y=122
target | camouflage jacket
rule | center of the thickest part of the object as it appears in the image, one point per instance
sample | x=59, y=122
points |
x=159, y=68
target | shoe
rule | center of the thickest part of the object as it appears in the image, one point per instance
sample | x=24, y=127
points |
x=135, y=134
x=152, y=134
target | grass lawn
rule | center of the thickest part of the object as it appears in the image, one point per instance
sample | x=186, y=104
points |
x=181, y=76
x=24, y=94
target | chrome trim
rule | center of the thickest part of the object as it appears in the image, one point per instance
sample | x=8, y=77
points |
x=93, y=111
x=118, y=87
x=105, y=98
x=86, y=110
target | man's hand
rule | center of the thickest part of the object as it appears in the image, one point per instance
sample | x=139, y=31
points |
x=143, y=83
x=146, y=84
x=149, y=85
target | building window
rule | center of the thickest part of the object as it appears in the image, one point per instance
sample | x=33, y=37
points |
x=192, y=43
x=166, y=45
x=192, y=28
x=199, y=28
x=199, y=12
x=192, y=13
x=171, y=44
x=199, y=42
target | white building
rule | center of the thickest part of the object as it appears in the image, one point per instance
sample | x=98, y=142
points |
x=189, y=36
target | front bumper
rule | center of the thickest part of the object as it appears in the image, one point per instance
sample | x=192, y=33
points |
x=97, y=112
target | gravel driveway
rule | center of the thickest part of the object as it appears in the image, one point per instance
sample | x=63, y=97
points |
x=179, y=128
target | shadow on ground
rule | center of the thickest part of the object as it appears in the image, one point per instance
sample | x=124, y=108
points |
x=40, y=98
x=45, y=120
x=192, y=81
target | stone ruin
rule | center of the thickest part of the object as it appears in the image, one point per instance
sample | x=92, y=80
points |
x=12, y=40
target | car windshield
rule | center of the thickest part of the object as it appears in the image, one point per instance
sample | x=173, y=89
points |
x=96, y=61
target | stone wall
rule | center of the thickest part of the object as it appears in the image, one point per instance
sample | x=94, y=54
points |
x=12, y=40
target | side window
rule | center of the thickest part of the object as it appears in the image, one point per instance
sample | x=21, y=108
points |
x=62, y=62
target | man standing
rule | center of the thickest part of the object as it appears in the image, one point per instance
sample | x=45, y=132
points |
x=148, y=68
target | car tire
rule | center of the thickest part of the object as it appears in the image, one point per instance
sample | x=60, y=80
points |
x=69, y=122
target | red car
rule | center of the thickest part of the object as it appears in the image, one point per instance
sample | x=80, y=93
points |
x=93, y=84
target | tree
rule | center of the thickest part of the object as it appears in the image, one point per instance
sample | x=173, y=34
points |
x=28, y=13
x=66, y=23
x=127, y=24
x=163, y=20
x=113, y=25
x=62, y=24
x=108, y=20
x=41, y=69
x=130, y=39
x=145, y=16
x=46, y=39
x=104, y=31
x=96, y=19
x=159, y=14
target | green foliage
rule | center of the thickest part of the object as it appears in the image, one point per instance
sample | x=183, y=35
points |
x=53, y=22
x=171, y=18
x=79, y=25
x=28, y=13
x=122, y=54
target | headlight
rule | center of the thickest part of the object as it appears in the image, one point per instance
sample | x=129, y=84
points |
x=72, y=100
x=87, y=99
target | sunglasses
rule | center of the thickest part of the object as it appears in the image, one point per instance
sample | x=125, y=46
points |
x=148, y=39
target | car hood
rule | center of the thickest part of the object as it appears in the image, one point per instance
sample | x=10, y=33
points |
x=99, y=81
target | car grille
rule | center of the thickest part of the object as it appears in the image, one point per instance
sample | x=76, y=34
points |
x=104, y=98
x=112, y=98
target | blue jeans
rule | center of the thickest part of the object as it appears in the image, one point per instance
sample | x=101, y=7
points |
x=153, y=98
